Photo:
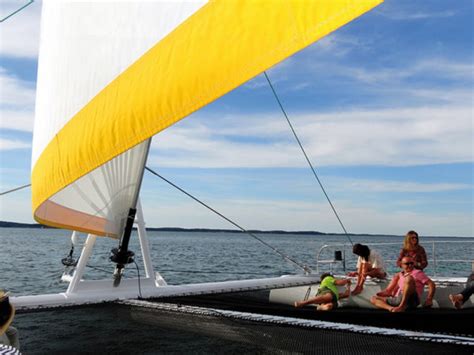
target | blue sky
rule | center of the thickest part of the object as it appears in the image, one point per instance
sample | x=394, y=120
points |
x=383, y=107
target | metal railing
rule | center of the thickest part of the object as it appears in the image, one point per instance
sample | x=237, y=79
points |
x=434, y=262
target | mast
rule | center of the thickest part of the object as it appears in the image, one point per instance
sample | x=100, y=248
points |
x=121, y=255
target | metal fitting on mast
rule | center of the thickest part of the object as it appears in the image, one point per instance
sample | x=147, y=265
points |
x=121, y=255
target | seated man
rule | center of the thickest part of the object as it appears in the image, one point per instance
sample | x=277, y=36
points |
x=405, y=290
x=460, y=298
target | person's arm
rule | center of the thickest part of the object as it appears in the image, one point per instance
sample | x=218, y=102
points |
x=400, y=257
x=356, y=273
x=342, y=282
x=431, y=292
x=366, y=267
x=422, y=259
x=391, y=288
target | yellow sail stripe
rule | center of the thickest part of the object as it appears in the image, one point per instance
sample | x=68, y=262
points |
x=221, y=46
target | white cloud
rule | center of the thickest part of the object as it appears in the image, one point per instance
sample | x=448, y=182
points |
x=392, y=137
x=9, y=144
x=363, y=185
x=16, y=207
x=298, y=215
x=20, y=33
x=361, y=218
x=14, y=91
x=17, y=99
x=170, y=209
x=20, y=120
x=431, y=68
x=406, y=15
x=338, y=44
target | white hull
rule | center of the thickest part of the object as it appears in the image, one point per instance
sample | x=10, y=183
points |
x=88, y=292
x=284, y=290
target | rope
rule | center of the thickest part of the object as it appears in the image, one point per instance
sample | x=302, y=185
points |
x=16, y=11
x=15, y=189
x=306, y=156
x=100, y=269
x=305, y=268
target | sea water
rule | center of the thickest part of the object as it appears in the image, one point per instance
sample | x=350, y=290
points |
x=30, y=259
x=30, y=263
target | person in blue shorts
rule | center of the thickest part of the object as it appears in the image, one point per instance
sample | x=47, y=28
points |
x=327, y=296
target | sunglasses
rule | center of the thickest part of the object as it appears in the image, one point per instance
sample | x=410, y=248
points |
x=410, y=263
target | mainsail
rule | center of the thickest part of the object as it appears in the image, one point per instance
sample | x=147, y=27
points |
x=113, y=74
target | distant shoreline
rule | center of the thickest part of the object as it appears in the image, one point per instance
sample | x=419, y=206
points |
x=4, y=224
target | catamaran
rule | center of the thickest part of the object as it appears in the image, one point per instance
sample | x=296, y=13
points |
x=111, y=77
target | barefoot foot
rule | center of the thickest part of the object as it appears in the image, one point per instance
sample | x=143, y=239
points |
x=397, y=309
x=456, y=300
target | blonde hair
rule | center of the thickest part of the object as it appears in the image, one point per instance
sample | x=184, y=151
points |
x=406, y=242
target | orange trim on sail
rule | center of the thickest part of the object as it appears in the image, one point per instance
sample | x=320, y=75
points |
x=55, y=215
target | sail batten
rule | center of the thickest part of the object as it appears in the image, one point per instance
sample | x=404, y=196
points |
x=205, y=51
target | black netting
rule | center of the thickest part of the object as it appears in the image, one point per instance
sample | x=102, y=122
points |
x=446, y=321
x=125, y=329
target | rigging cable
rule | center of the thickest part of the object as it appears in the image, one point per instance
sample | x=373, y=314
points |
x=307, y=159
x=139, y=282
x=16, y=11
x=286, y=257
x=15, y=189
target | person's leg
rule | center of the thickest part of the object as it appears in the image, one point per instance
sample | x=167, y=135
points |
x=365, y=267
x=467, y=292
x=391, y=288
x=377, y=273
x=409, y=288
x=360, y=270
x=324, y=298
x=470, y=280
x=346, y=293
x=380, y=302
x=459, y=299
x=325, y=307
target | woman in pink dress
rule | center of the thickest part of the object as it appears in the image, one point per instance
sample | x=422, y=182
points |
x=413, y=249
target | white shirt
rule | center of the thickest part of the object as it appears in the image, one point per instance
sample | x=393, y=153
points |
x=374, y=259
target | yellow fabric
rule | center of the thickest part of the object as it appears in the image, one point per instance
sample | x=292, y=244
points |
x=221, y=46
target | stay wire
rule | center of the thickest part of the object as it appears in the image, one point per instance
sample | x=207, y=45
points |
x=16, y=11
x=139, y=282
x=15, y=189
x=100, y=269
x=306, y=157
x=305, y=268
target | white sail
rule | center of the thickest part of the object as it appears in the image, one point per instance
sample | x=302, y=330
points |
x=114, y=73
x=84, y=47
